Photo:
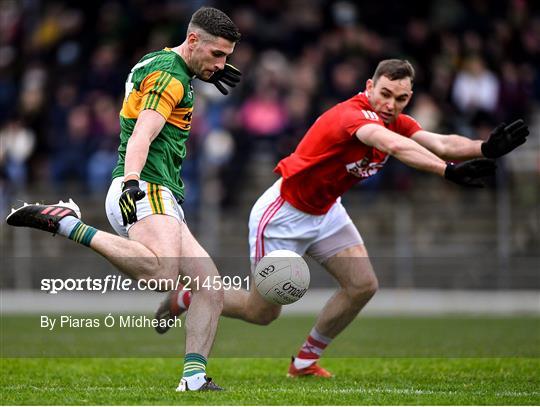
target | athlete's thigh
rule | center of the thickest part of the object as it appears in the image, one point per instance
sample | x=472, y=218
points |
x=162, y=234
x=172, y=242
x=351, y=267
x=196, y=262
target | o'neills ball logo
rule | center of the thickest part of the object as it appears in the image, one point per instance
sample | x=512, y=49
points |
x=290, y=289
x=268, y=270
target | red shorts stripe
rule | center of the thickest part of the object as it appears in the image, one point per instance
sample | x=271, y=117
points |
x=260, y=237
x=261, y=222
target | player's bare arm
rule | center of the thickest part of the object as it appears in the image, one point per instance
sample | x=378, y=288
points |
x=503, y=139
x=449, y=147
x=414, y=155
x=405, y=150
x=147, y=128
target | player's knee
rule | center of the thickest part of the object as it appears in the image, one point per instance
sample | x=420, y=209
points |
x=363, y=290
x=213, y=296
x=161, y=278
x=217, y=298
x=265, y=316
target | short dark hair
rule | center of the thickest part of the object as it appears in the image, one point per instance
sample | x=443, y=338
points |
x=215, y=22
x=394, y=69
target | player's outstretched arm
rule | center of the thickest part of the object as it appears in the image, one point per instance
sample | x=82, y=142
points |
x=415, y=155
x=504, y=138
x=449, y=146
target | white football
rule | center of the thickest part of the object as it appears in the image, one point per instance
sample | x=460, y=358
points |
x=282, y=277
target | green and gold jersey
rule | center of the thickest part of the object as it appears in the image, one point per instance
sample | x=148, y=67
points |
x=160, y=81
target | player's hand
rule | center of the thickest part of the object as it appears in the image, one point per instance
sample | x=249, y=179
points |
x=504, y=138
x=229, y=76
x=131, y=193
x=468, y=173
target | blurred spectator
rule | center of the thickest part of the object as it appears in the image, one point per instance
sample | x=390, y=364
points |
x=104, y=74
x=516, y=91
x=426, y=112
x=16, y=145
x=475, y=88
x=263, y=115
x=105, y=131
x=70, y=160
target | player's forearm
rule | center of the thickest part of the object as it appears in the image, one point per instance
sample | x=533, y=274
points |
x=404, y=149
x=460, y=148
x=416, y=156
x=136, y=155
x=147, y=128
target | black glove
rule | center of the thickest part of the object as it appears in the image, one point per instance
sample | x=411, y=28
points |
x=131, y=193
x=468, y=172
x=505, y=138
x=229, y=75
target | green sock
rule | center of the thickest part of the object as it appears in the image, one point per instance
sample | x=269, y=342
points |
x=82, y=233
x=194, y=364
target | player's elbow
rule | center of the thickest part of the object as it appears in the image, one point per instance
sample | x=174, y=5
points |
x=442, y=151
x=392, y=147
x=382, y=139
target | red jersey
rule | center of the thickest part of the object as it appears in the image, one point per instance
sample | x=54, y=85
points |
x=330, y=159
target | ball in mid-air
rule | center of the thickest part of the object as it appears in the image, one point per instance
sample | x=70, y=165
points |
x=282, y=277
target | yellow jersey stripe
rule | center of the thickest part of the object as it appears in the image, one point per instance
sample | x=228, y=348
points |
x=153, y=91
x=166, y=82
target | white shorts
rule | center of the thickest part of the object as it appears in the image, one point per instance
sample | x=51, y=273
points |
x=158, y=200
x=275, y=224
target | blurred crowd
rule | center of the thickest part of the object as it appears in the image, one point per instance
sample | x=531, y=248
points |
x=63, y=66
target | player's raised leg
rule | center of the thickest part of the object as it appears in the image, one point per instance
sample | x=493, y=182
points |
x=129, y=256
x=63, y=218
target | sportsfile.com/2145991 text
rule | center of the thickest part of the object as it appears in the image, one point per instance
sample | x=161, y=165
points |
x=119, y=283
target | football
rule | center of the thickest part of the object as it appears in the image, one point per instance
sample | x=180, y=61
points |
x=282, y=277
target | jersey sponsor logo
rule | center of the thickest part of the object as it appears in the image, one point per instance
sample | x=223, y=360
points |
x=364, y=168
x=368, y=114
x=181, y=118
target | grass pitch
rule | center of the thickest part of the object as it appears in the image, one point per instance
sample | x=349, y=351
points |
x=429, y=361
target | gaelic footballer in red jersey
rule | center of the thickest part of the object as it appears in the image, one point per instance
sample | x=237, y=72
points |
x=302, y=211
x=331, y=153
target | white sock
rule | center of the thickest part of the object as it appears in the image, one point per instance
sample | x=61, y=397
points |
x=312, y=349
x=303, y=363
x=67, y=224
x=196, y=381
